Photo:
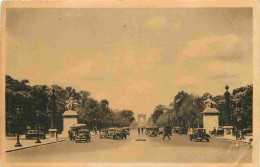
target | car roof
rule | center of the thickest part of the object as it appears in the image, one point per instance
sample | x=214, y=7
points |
x=83, y=130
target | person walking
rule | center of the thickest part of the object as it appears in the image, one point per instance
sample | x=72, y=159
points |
x=142, y=130
x=95, y=130
x=167, y=132
x=70, y=135
x=214, y=131
x=138, y=130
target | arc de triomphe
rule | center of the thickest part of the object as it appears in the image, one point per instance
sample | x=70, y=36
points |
x=143, y=116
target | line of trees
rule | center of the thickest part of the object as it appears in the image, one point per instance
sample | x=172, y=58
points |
x=29, y=99
x=186, y=109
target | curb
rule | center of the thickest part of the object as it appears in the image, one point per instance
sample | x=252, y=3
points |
x=232, y=140
x=34, y=146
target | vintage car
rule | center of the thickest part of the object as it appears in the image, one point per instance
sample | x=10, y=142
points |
x=120, y=134
x=111, y=132
x=152, y=131
x=83, y=135
x=220, y=131
x=176, y=130
x=199, y=134
x=33, y=133
x=183, y=131
x=161, y=131
x=76, y=128
x=248, y=132
x=103, y=134
x=127, y=130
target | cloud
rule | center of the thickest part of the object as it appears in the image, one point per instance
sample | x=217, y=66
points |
x=160, y=23
x=157, y=22
x=209, y=62
x=221, y=48
x=176, y=27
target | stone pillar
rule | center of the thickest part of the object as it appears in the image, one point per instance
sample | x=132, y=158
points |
x=70, y=118
x=210, y=119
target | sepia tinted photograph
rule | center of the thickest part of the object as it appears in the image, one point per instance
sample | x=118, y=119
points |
x=128, y=85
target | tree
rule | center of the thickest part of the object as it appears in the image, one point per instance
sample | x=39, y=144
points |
x=159, y=110
x=128, y=115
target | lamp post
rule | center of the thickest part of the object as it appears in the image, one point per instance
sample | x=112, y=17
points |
x=168, y=119
x=38, y=122
x=53, y=109
x=52, y=131
x=227, y=94
x=18, y=115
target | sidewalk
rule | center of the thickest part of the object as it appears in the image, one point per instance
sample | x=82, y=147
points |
x=11, y=141
x=233, y=138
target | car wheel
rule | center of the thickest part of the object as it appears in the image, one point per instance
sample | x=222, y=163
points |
x=207, y=140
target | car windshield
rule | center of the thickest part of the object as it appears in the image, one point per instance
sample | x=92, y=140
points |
x=32, y=131
x=201, y=131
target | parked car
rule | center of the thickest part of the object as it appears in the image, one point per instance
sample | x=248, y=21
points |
x=220, y=131
x=183, y=131
x=176, y=130
x=111, y=132
x=33, y=133
x=83, y=135
x=152, y=131
x=127, y=130
x=120, y=134
x=199, y=134
x=103, y=134
x=76, y=128
x=248, y=132
x=161, y=131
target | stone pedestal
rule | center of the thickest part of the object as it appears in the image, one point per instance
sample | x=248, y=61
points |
x=70, y=118
x=53, y=133
x=210, y=119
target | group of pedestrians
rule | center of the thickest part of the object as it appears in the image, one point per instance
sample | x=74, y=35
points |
x=140, y=129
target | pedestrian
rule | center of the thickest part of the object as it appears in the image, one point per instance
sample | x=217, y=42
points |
x=69, y=132
x=95, y=130
x=167, y=132
x=237, y=134
x=138, y=130
x=214, y=131
x=142, y=130
x=57, y=136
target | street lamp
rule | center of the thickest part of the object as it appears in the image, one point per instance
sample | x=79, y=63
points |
x=53, y=109
x=18, y=115
x=38, y=122
x=168, y=119
x=227, y=95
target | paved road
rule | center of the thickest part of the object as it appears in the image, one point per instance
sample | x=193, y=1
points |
x=178, y=150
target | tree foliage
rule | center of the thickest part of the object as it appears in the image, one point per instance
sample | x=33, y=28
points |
x=29, y=99
x=186, y=109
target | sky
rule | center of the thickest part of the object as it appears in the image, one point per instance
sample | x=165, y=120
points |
x=134, y=58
